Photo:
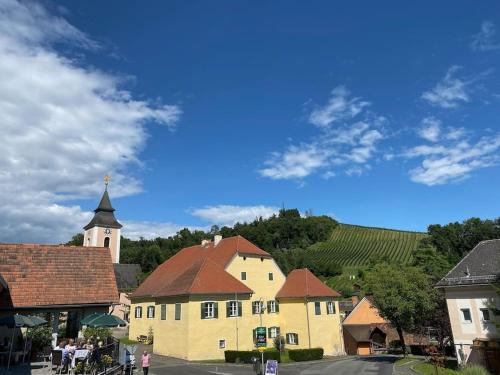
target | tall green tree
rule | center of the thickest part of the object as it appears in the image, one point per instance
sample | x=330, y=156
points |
x=403, y=295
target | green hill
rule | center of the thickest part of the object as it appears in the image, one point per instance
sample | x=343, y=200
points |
x=353, y=245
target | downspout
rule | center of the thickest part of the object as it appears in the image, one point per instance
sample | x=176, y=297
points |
x=308, y=326
x=237, y=317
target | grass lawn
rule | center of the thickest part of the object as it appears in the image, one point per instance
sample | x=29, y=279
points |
x=127, y=341
x=404, y=361
x=429, y=369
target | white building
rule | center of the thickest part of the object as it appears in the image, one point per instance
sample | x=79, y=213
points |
x=471, y=300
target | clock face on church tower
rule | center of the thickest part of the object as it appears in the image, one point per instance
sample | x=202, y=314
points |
x=107, y=231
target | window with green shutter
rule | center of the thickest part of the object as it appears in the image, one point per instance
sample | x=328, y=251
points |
x=292, y=338
x=163, y=312
x=317, y=308
x=178, y=307
x=330, y=307
x=209, y=310
x=233, y=309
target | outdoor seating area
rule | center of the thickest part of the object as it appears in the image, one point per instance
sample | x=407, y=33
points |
x=28, y=348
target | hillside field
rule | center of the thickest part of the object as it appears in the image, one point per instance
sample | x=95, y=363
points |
x=353, y=245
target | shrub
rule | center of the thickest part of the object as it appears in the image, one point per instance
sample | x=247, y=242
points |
x=245, y=356
x=299, y=355
x=96, y=334
x=474, y=370
x=279, y=343
x=40, y=336
x=150, y=338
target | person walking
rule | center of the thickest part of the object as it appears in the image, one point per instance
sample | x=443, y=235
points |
x=145, y=360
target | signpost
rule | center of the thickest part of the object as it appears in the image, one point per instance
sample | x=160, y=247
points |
x=261, y=343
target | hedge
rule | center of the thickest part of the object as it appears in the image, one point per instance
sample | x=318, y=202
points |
x=235, y=356
x=299, y=355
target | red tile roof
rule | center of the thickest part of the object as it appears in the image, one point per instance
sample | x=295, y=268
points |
x=200, y=270
x=302, y=283
x=46, y=275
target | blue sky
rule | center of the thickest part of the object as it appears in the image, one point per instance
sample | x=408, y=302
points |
x=383, y=114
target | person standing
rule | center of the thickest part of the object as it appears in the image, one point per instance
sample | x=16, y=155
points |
x=145, y=360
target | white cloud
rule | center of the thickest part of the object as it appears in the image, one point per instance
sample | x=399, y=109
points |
x=296, y=162
x=450, y=92
x=441, y=164
x=337, y=146
x=229, y=215
x=430, y=129
x=485, y=39
x=64, y=126
x=340, y=107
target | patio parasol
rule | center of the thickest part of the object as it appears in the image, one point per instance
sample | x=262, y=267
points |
x=19, y=321
x=103, y=320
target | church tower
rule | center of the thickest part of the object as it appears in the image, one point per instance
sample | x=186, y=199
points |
x=104, y=230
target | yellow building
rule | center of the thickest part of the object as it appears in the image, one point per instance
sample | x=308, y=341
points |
x=210, y=298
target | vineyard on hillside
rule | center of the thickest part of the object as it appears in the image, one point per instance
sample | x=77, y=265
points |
x=353, y=245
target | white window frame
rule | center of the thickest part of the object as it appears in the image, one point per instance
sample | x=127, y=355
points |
x=260, y=310
x=233, y=309
x=481, y=310
x=138, y=312
x=149, y=310
x=209, y=309
x=272, y=307
x=222, y=343
x=462, y=317
x=291, y=338
x=330, y=307
x=273, y=332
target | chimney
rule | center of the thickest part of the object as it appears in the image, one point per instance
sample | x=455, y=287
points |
x=217, y=239
x=204, y=242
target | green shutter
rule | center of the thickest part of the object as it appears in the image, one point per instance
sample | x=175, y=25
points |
x=228, y=309
x=269, y=332
x=216, y=310
x=178, y=307
x=240, y=310
x=297, y=339
x=202, y=315
x=287, y=338
x=268, y=307
x=277, y=304
x=278, y=331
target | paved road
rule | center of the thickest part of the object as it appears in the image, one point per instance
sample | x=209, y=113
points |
x=382, y=365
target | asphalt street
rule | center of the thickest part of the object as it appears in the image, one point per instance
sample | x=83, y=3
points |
x=378, y=365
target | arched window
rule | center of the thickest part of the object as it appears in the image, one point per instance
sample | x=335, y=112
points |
x=106, y=242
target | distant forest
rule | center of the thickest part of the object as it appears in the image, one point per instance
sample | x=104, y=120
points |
x=288, y=235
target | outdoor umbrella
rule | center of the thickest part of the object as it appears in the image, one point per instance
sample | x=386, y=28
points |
x=85, y=321
x=104, y=320
x=19, y=321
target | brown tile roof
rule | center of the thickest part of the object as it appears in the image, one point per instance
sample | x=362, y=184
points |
x=302, y=283
x=42, y=275
x=200, y=270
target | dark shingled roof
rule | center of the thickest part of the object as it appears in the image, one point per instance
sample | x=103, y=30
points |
x=48, y=275
x=104, y=216
x=480, y=266
x=126, y=276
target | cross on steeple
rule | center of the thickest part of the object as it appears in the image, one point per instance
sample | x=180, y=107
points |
x=106, y=181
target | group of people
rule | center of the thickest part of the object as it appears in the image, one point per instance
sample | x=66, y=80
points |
x=69, y=348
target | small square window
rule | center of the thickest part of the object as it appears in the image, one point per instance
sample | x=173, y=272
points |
x=222, y=344
x=466, y=316
x=485, y=314
x=243, y=276
x=271, y=276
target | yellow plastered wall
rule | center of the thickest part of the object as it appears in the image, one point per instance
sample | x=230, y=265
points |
x=140, y=326
x=171, y=337
x=315, y=331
